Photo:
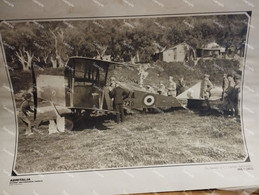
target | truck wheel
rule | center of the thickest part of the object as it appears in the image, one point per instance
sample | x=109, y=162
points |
x=69, y=124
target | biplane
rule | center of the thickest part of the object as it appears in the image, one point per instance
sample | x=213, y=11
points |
x=82, y=91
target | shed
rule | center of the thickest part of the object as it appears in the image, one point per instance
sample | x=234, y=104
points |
x=212, y=50
x=178, y=53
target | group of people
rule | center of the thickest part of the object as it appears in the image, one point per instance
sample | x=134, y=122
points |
x=170, y=91
x=173, y=89
x=231, y=94
x=117, y=93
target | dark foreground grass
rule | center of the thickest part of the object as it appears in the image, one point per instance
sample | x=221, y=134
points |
x=144, y=139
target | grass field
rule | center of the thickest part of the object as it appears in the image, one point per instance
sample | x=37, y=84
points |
x=143, y=139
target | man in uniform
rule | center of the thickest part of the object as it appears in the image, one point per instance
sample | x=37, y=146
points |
x=161, y=90
x=172, y=87
x=112, y=82
x=25, y=110
x=229, y=96
x=231, y=82
x=119, y=95
x=206, y=87
x=107, y=89
x=225, y=84
x=237, y=95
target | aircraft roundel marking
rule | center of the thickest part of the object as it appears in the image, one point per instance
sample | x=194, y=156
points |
x=149, y=100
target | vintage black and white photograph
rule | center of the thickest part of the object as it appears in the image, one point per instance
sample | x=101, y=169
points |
x=125, y=92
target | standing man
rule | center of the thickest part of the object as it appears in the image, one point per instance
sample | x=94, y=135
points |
x=112, y=82
x=231, y=82
x=25, y=110
x=206, y=87
x=107, y=89
x=119, y=95
x=161, y=90
x=237, y=95
x=229, y=96
x=172, y=87
x=225, y=84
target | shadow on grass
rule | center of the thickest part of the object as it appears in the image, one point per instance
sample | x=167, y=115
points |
x=210, y=108
x=160, y=110
x=209, y=112
x=97, y=123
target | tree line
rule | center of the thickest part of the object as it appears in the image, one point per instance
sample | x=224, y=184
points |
x=51, y=43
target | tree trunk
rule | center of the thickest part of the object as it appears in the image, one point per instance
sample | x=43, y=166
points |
x=37, y=59
x=26, y=68
x=22, y=54
x=60, y=61
x=132, y=59
x=101, y=51
x=45, y=58
x=29, y=59
x=137, y=57
x=53, y=62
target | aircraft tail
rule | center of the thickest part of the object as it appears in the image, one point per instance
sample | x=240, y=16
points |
x=195, y=91
x=191, y=93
